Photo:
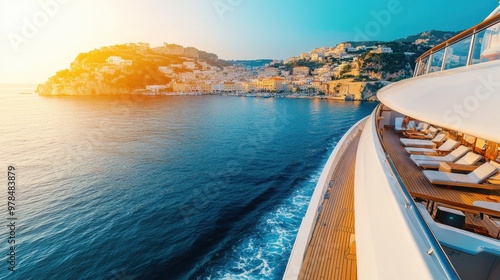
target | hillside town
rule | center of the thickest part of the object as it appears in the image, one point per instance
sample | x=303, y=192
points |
x=269, y=80
x=347, y=71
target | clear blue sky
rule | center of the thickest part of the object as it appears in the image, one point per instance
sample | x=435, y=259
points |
x=233, y=29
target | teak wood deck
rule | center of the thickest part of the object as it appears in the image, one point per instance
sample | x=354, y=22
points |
x=332, y=251
x=419, y=187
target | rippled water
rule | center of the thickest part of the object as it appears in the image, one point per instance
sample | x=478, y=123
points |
x=162, y=187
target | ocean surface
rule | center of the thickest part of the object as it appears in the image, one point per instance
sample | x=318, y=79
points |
x=205, y=187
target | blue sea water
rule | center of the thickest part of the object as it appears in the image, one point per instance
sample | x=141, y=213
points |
x=204, y=187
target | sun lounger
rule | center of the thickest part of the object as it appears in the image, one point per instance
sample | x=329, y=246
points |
x=453, y=156
x=495, y=206
x=469, y=159
x=471, y=180
x=496, y=164
x=447, y=146
x=496, y=178
x=398, y=124
x=420, y=135
x=423, y=143
x=411, y=126
x=422, y=126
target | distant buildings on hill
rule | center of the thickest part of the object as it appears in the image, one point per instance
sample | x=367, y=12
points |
x=195, y=75
x=192, y=72
x=173, y=49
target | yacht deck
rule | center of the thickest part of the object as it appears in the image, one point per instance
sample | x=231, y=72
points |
x=419, y=187
x=331, y=253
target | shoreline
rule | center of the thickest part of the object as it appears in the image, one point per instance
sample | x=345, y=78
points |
x=249, y=95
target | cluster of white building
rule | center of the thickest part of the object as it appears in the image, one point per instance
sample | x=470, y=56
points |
x=228, y=79
x=266, y=79
x=195, y=75
x=340, y=51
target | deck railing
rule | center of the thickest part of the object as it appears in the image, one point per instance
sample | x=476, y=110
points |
x=475, y=45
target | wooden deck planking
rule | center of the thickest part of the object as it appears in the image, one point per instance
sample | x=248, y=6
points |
x=329, y=255
x=418, y=185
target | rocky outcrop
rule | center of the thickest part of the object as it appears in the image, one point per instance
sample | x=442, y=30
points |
x=429, y=38
x=385, y=66
x=348, y=89
x=125, y=69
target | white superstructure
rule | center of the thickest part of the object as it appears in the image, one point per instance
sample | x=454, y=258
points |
x=398, y=234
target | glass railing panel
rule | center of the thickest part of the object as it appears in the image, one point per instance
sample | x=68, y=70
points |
x=437, y=61
x=422, y=66
x=487, y=45
x=457, y=54
x=476, y=48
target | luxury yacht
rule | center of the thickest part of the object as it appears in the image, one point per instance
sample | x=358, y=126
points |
x=413, y=190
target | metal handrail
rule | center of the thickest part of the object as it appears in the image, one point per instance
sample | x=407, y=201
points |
x=469, y=33
x=435, y=247
x=462, y=35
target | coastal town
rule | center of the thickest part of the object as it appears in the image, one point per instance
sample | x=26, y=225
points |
x=347, y=71
x=272, y=79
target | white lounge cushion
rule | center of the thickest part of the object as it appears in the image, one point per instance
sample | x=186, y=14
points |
x=417, y=143
x=432, y=133
x=470, y=158
x=447, y=157
x=422, y=126
x=453, y=156
x=424, y=143
x=436, y=176
x=439, y=138
x=431, y=164
x=495, y=206
x=482, y=173
x=398, y=123
x=496, y=164
x=411, y=124
x=447, y=146
x=432, y=130
x=416, y=150
x=475, y=177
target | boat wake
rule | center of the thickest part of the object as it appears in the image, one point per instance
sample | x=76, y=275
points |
x=264, y=251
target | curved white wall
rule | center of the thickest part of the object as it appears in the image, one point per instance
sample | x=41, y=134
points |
x=465, y=99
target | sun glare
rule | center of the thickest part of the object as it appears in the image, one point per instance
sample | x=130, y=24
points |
x=12, y=11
